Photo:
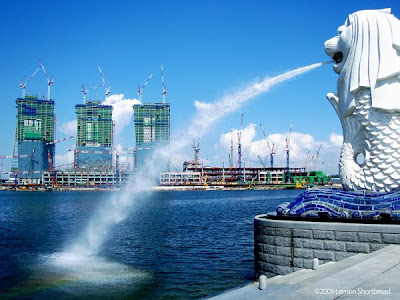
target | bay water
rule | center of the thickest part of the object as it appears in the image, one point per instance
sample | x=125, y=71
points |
x=172, y=245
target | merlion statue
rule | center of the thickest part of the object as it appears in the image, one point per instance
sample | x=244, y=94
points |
x=367, y=59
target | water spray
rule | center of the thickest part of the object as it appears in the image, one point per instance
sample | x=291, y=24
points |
x=119, y=206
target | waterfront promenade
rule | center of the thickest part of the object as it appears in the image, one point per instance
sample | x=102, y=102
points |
x=362, y=276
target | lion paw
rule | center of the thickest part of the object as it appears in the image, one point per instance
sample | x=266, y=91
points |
x=332, y=97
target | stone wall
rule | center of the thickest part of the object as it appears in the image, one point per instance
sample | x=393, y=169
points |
x=285, y=246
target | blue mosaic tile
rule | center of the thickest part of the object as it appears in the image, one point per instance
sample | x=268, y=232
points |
x=342, y=204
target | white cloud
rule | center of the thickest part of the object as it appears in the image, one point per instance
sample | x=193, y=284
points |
x=69, y=128
x=336, y=139
x=65, y=158
x=122, y=111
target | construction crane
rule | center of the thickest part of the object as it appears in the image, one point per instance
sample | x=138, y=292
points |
x=140, y=89
x=240, y=150
x=164, y=88
x=117, y=174
x=50, y=80
x=271, y=149
x=196, y=154
x=316, y=158
x=231, y=155
x=262, y=162
x=60, y=140
x=306, y=164
x=50, y=159
x=51, y=171
x=287, y=179
x=22, y=84
x=106, y=86
x=15, y=156
x=84, y=91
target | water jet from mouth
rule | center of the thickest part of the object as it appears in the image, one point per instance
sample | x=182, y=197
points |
x=118, y=207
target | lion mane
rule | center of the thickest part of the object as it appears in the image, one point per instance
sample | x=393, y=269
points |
x=373, y=59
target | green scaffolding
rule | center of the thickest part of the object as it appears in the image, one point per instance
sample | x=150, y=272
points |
x=152, y=123
x=94, y=124
x=35, y=119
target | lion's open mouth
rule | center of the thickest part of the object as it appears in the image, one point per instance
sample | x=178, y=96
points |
x=338, y=57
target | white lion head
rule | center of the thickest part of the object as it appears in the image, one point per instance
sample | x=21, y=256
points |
x=367, y=54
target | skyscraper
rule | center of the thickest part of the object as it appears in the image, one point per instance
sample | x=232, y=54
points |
x=94, y=139
x=34, y=139
x=152, y=129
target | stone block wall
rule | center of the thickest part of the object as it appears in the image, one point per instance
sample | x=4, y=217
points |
x=285, y=246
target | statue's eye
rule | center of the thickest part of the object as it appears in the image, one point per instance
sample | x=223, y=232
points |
x=340, y=29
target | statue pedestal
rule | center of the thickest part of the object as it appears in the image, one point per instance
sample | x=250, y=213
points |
x=285, y=246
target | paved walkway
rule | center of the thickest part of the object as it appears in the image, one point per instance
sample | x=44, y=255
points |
x=362, y=276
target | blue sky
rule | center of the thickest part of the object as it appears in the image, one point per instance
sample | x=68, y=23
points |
x=208, y=48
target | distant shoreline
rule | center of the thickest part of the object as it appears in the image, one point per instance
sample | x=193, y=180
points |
x=161, y=188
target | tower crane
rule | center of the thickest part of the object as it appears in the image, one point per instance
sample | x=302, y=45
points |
x=140, y=89
x=106, y=86
x=262, y=162
x=271, y=149
x=288, y=154
x=84, y=91
x=240, y=150
x=51, y=171
x=164, y=88
x=50, y=158
x=22, y=84
x=50, y=80
x=231, y=155
x=316, y=158
x=306, y=164
x=196, y=154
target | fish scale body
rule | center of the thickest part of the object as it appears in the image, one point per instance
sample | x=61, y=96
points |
x=380, y=146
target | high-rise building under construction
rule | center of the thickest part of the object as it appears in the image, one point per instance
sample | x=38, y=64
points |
x=152, y=130
x=34, y=139
x=94, y=140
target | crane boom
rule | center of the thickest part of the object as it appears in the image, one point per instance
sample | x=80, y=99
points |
x=164, y=91
x=288, y=138
x=15, y=156
x=50, y=80
x=140, y=89
x=84, y=91
x=61, y=140
x=22, y=84
x=288, y=154
x=196, y=154
x=106, y=86
x=271, y=149
x=316, y=158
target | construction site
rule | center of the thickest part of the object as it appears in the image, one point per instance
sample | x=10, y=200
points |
x=238, y=176
x=96, y=162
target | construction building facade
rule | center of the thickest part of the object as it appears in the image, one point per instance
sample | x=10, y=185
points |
x=74, y=177
x=34, y=139
x=152, y=131
x=94, y=139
